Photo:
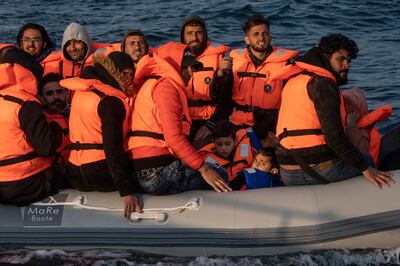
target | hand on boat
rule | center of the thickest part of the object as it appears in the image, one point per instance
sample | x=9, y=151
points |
x=213, y=179
x=377, y=177
x=131, y=204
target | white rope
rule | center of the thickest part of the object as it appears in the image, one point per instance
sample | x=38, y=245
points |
x=193, y=204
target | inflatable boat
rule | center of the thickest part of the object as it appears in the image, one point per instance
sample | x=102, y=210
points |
x=347, y=214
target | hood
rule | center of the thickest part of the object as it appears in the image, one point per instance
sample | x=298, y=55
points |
x=133, y=32
x=194, y=18
x=75, y=31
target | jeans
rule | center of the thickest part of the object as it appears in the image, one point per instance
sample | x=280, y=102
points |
x=173, y=178
x=333, y=171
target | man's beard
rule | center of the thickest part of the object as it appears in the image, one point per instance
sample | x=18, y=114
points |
x=197, y=49
x=258, y=49
x=57, y=106
x=341, y=80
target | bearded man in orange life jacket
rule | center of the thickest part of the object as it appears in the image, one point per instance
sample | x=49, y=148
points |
x=252, y=89
x=76, y=52
x=56, y=108
x=313, y=145
x=98, y=128
x=163, y=160
x=135, y=44
x=209, y=87
x=27, y=140
x=34, y=39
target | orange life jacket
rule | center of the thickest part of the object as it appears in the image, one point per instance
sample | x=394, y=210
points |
x=200, y=101
x=2, y=45
x=368, y=122
x=145, y=126
x=84, y=122
x=243, y=157
x=252, y=87
x=298, y=125
x=57, y=63
x=18, y=158
x=63, y=123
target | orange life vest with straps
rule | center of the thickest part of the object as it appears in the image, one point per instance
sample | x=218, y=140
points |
x=368, y=122
x=145, y=127
x=84, y=122
x=252, y=87
x=243, y=157
x=199, y=89
x=57, y=63
x=298, y=125
x=18, y=158
x=63, y=123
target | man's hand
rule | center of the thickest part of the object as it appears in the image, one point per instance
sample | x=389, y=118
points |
x=379, y=178
x=224, y=65
x=213, y=179
x=202, y=133
x=131, y=204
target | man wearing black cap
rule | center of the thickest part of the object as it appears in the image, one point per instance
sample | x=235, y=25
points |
x=209, y=88
x=98, y=128
x=135, y=44
x=27, y=140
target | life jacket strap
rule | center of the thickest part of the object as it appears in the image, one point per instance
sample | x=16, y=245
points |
x=84, y=146
x=140, y=133
x=251, y=74
x=19, y=159
x=12, y=99
x=299, y=132
x=201, y=103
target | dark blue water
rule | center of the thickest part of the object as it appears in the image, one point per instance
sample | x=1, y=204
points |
x=296, y=24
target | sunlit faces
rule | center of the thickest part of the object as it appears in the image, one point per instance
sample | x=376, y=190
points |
x=55, y=96
x=136, y=47
x=224, y=146
x=340, y=63
x=258, y=38
x=263, y=163
x=193, y=36
x=32, y=42
x=76, y=50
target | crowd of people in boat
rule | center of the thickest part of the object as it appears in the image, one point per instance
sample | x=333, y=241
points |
x=185, y=115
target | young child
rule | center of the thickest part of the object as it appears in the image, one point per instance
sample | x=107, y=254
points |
x=263, y=172
x=230, y=150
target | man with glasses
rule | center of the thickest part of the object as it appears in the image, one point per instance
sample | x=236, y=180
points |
x=33, y=39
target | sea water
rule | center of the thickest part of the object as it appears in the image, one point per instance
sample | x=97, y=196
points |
x=296, y=24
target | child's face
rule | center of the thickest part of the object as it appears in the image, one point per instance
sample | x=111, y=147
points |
x=224, y=146
x=262, y=163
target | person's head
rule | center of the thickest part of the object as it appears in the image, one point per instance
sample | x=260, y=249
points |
x=224, y=136
x=135, y=44
x=76, y=44
x=116, y=70
x=52, y=94
x=264, y=160
x=257, y=35
x=33, y=39
x=13, y=55
x=265, y=127
x=339, y=51
x=194, y=34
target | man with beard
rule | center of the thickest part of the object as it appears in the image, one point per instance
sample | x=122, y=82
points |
x=54, y=99
x=135, y=44
x=33, y=39
x=252, y=89
x=313, y=145
x=208, y=86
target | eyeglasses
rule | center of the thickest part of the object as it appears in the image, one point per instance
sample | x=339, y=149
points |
x=29, y=40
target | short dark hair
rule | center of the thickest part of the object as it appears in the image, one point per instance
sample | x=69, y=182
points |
x=269, y=152
x=43, y=32
x=224, y=129
x=333, y=42
x=50, y=77
x=254, y=21
x=265, y=122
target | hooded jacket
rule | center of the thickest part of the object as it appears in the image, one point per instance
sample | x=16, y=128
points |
x=60, y=62
x=325, y=95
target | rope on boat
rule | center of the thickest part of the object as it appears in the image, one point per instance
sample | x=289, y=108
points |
x=193, y=204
